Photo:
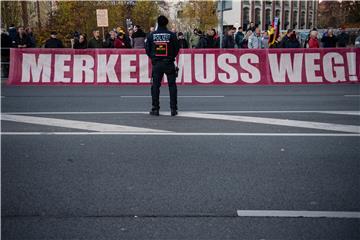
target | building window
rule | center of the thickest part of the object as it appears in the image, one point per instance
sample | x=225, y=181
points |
x=246, y=16
x=286, y=19
x=267, y=17
x=302, y=20
x=294, y=20
x=257, y=16
x=277, y=13
x=227, y=5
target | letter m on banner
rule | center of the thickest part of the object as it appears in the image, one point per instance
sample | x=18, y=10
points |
x=36, y=69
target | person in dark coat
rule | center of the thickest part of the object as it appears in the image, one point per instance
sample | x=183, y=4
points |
x=210, y=39
x=343, y=38
x=96, y=41
x=12, y=34
x=202, y=40
x=289, y=40
x=32, y=40
x=162, y=47
x=329, y=40
x=182, y=41
x=53, y=42
x=21, y=39
x=216, y=38
x=138, y=37
x=5, y=53
x=81, y=43
x=110, y=42
x=229, y=41
x=239, y=36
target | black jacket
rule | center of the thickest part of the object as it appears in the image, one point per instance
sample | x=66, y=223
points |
x=329, y=42
x=79, y=45
x=53, y=43
x=24, y=40
x=183, y=43
x=203, y=43
x=162, y=45
x=228, y=41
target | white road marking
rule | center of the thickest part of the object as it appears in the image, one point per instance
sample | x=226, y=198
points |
x=276, y=121
x=351, y=95
x=355, y=113
x=189, y=134
x=210, y=96
x=307, y=214
x=166, y=112
x=90, y=126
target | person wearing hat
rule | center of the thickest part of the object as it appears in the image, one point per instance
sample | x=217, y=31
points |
x=53, y=42
x=162, y=47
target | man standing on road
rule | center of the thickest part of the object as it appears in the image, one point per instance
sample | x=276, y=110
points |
x=162, y=48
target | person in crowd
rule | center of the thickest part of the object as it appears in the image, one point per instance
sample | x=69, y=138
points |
x=202, y=43
x=174, y=30
x=294, y=42
x=81, y=43
x=194, y=39
x=120, y=41
x=129, y=38
x=229, y=40
x=6, y=44
x=276, y=43
x=343, y=38
x=21, y=39
x=30, y=34
x=53, y=42
x=329, y=40
x=357, y=41
x=239, y=36
x=138, y=37
x=265, y=39
x=289, y=40
x=110, y=41
x=151, y=30
x=306, y=42
x=252, y=27
x=216, y=38
x=182, y=41
x=255, y=40
x=96, y=41
x=313, y=40
x=245, y=41
x=12, y=34
x=210, y=39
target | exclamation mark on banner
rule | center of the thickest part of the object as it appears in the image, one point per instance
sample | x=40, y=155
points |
x=351, y=60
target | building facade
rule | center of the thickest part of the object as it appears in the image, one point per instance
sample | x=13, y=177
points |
x=291, y=13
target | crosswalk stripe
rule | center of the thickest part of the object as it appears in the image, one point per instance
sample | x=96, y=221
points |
x=90, y=126
x=308, y=214
x=276, y=121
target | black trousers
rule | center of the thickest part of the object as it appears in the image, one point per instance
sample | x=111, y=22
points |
x=158, y=70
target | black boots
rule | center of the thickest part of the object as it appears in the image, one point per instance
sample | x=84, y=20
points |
x=155, y=112
x=174, y=112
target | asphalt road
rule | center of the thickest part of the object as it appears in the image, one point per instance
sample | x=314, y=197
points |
x=293, y=148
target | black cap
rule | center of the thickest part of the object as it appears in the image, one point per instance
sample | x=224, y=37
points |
x=180, y=34
x=162, y=21
x=53, y=33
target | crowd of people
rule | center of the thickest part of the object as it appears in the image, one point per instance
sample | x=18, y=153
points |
x=135, y=37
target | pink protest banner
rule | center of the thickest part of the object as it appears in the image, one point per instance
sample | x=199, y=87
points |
x=197, y=66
